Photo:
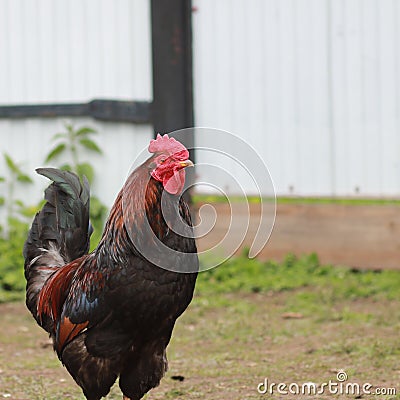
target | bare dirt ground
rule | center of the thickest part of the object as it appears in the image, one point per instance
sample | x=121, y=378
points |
x=225, y=345
x=362, y=236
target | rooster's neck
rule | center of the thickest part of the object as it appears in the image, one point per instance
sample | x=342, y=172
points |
x=138, y=215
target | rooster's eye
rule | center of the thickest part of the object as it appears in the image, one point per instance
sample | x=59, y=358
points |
x=162, y=160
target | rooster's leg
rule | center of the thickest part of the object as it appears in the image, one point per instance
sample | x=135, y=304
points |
x=125, y=398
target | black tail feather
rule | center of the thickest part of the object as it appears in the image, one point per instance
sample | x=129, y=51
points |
x=63, y=220
x=60, y=231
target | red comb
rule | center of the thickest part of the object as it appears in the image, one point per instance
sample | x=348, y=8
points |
x=166, y=144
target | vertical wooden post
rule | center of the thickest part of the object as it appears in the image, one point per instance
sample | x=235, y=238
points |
x=171, y=26
x=172, y=107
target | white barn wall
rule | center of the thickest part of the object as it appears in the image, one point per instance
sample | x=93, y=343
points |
x=314, y=85
x=74, y=51
x=28, y=141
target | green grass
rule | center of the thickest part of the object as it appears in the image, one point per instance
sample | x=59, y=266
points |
x=12, y=281
x=202, y=198
x=331, y=282
x=205, y=198
x=338, y=200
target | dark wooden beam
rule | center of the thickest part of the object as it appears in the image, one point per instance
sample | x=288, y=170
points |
x=172, y=108
x=43, y=110
x=171, y=24
x=122, y=111
x=105, y=110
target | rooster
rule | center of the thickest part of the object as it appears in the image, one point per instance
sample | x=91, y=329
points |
x=110, y=313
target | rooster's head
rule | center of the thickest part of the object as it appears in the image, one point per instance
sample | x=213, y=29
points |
x=168, y=163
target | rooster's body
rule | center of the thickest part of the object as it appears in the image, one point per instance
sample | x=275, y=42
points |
x=111, y=313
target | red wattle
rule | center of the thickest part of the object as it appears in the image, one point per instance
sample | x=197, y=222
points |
x=174, y=184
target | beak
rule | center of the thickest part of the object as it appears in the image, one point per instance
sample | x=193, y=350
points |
x=186, y=163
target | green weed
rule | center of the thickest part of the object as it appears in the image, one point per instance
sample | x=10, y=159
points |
x=333, y=282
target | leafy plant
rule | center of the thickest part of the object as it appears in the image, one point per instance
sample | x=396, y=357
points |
x=2, y=198
x=70, y=145
x=13, y=233
x=12, y=282
x=98, y=213
x=72, y=142
x=15, y=208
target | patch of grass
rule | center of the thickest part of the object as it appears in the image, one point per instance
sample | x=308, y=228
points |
x=206, y=198
x=210, y=198
x=332, y=282
x=12, y=281
x=337, y=200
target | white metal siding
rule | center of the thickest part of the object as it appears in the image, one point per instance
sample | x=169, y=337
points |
x=28, y=141
x=74, y=51
x=314, y=85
